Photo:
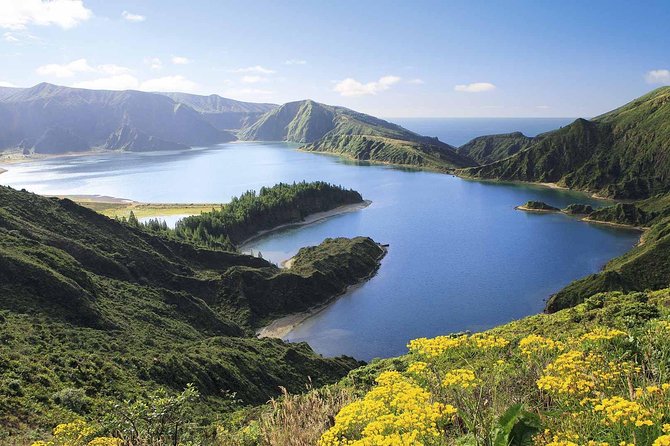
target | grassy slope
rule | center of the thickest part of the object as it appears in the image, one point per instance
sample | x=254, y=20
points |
x=621, y=154
x=90, y=303
x=488, y=149
x=344, y=132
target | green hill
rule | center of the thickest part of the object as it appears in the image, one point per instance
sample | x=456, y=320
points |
x=621, y=154
x=106, y=311
x=488, y=149
x=338, y=130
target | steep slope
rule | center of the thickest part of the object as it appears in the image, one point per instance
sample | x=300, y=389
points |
x=622, y=154
x=341, y=131
x=223, y=113
x=93, y=305
x=52, y=119
x=488, y=149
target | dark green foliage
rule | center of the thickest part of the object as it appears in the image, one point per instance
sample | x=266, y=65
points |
x=317, y=273
x=93, y=310
x=621, y=154
x=253, y=212
x=578, y=209
x=338, y=130
x=516, y=427
x=388, y=150
x=538, y=206
x=488, y=149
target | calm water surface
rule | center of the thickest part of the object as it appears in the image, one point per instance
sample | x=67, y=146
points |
x=460, y=256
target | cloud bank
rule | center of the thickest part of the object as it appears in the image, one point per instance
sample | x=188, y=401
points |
x=352, y=87
x=475, y=87
x=18, y=14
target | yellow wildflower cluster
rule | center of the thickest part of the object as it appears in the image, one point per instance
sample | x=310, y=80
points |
x=433, y=347
x=602, y=334
x=462, y=378
x=395, y=412
x=618, y=410
x=77, y=433
x=534, y=344
x=579, y=373
x=663, y=440
x=486, y=341
x=417, y=368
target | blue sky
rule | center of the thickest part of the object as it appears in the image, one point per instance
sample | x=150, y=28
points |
x=387, y=58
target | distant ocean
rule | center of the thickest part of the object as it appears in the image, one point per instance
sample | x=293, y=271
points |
x=458, y=131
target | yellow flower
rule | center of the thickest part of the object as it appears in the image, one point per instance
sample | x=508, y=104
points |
x=602, y=334
x=579, y=373
x=462, y=378
x=618, y=410
x=534, y=344
x=663, y=440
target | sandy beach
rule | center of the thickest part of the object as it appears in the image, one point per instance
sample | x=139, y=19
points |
x=279, y=328
x=310, y=219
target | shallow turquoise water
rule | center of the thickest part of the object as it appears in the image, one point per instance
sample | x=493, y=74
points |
x=460, y=256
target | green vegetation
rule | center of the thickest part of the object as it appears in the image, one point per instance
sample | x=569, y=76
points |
x=539, y=206
x=96, y=311
x=253, y=212
x=578, y=209
x=391, y=151
x=338, y=130
x=488, y=149
x=621, y=154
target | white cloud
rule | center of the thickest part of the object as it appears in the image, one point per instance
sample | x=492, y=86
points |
x=119, y=82
x=254, y=69
x=542, y=107
x=416, y=81
x=658, y=77
x=352, y=87
x=251, y=79
x=168, y=83
x=178, y=60
x=7, y=84
x=112, y=69
x=475, y=87
x=295, y=62
x=65, y=70
x=9, y=37
x=80, y=66
x=18, y=14
x=130, y=17
x=154, y=62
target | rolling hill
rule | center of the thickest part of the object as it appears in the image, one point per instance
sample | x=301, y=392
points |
x=51, y=119
x=341, y=131
x=624, y=153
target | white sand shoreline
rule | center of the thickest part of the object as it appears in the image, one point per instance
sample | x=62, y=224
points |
x=282, y=326
x=310, y=219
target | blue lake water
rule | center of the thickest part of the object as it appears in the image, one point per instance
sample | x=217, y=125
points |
x=460, y=256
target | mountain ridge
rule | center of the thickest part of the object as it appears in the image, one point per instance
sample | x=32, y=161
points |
x=623, y=153
x=345, y=132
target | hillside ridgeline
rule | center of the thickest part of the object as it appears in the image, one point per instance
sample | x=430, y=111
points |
x=621, y=154
x=338, y=130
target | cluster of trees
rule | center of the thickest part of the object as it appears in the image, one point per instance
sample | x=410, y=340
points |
x=253, y=212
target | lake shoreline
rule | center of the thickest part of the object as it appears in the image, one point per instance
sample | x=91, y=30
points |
x=308, y=220
x=282, y=326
